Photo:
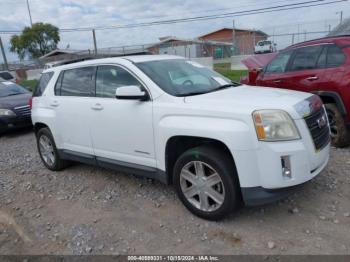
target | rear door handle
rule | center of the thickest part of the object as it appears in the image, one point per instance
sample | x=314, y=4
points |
x=55, y=103
x=312, y=78
x=277, y=81
x=97, y=107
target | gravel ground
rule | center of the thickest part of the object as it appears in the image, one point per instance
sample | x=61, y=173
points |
x=89, y=210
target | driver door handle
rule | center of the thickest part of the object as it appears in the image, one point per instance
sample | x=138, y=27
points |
x=54, y=103
x=97, y=107
x=277, y=81
x=312, y=78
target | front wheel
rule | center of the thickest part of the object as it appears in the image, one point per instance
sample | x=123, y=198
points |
x=206, y=182
x=339, y=132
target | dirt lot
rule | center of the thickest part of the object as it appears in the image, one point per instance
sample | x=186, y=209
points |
x=88, y=210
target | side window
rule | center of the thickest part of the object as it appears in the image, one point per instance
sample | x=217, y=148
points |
x=279, y=63
x=78, y=82
x=42, y=84
x=109, y=78
x=335, y=56
x=322, y=59
x=58, y=85
x=306, y=58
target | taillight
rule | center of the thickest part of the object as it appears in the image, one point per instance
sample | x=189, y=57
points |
x=30, y=103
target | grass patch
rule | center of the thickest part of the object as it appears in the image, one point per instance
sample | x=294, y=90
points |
x=29, y=84
x=225, y=70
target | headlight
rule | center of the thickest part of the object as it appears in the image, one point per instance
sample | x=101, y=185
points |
x=6, y=112
x=274, y=125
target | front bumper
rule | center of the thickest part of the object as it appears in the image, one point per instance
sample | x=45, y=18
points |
x=255, y=196
x=14, y=122
x=260, y=170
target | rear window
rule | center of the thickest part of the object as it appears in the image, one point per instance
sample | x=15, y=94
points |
x=76, y=82
x=6, y=76
x=43, y=82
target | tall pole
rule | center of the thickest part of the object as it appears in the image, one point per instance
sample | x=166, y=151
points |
x=30, y=15
x=94, y=37
x=4, y=55
x=341, y=17
x=233, y=38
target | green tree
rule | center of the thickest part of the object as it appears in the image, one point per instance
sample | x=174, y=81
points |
x=35, y=41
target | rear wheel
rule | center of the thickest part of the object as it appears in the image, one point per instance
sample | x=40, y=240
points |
x=48, y=151
x=339, y=132
x=206, y=182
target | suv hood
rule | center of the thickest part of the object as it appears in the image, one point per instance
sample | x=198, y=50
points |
x=246, y=99
x=258, y=61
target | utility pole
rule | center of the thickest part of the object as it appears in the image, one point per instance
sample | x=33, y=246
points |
x=94, y=37
x=341, y=16
x=30, y=15
x=233, y=38
x=4, y=55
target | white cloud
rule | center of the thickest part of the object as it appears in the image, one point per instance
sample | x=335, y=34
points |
x=89, y=13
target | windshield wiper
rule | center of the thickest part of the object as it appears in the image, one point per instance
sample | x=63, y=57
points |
x=193, y=93
x=13, y=94
x=232, y=84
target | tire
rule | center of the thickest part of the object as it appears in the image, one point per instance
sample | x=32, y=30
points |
x=50, y=159
x=339, y=132
x=227, y=190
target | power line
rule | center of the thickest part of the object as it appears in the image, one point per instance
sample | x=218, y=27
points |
x=209, y=17
x=201, y=18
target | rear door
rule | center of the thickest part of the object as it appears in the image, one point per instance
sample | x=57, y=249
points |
x=72, y=101
x=275, y=70
x=305, y=71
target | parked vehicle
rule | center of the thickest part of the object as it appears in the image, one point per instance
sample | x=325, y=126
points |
x=14, y=107
x=321, y=67
x=7, y=76
x=179, y=122
x=264, y=46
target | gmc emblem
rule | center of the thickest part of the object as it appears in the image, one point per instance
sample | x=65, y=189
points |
x=322, y=121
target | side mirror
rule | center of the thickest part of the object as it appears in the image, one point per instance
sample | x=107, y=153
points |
x=131, y=93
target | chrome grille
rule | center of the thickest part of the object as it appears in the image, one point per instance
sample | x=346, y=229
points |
x=319, y=128
x=22, y=110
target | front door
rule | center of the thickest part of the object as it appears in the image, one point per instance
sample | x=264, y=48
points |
x=306, y=69
x=121, y=130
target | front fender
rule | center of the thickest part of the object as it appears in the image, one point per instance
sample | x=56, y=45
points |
x=235, y=134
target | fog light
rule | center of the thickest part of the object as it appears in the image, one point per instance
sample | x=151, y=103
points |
x=286, y=167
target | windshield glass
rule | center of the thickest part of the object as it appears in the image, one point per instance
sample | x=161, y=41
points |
x=10, y=89
x=179, y=77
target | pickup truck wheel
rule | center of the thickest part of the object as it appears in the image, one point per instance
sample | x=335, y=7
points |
x=48, y=151
x=206, y=182
x=339, y=132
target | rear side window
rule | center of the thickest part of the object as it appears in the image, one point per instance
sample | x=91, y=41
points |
x=335, y=56
x=42, y=84
x=76, y=82
x=306, y=58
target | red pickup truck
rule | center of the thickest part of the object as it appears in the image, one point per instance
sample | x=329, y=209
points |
x=319, y=66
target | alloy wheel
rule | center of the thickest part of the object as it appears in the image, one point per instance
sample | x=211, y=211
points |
x=202, y=186
x=46, y=150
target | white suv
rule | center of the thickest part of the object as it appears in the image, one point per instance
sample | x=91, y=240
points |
x=220, y=143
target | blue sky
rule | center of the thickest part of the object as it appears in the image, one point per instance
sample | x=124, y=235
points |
x=89, y=13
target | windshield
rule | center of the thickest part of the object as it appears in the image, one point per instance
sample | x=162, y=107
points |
x=10, y=89
x=179, y=77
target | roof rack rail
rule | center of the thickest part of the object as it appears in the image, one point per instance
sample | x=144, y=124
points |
x=321, y=38
x=98, y=56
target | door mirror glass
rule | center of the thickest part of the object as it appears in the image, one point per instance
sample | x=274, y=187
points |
x=131, y=92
